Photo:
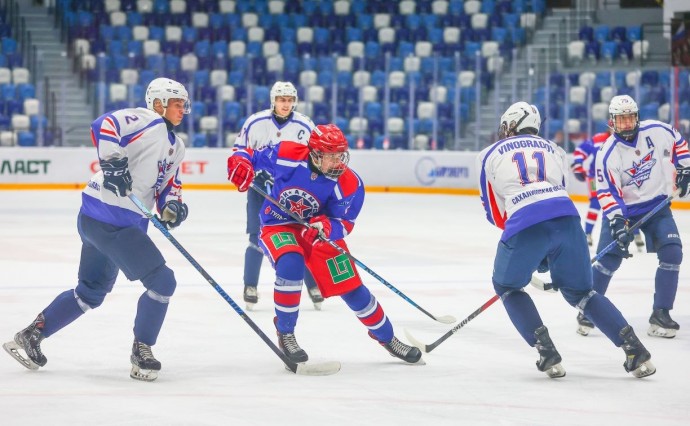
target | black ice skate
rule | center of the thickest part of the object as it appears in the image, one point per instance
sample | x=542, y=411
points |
x=316, y=297
x=288, y=344
x=400, y=350
x=144, y=365
x=549, y=358
x=661, y=324
x=584, y=325
x=251, y=297
x=29, y=340
x=637, y=357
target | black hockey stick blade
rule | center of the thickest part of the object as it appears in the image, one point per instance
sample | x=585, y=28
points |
x=314, y=369
x=430, y=347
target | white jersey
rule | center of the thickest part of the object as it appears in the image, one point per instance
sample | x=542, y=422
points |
x=522, y=182
x=262, y=130
x=633, y=177
x=154, y=155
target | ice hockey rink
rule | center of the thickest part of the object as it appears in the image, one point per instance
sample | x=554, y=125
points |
x=437, y=249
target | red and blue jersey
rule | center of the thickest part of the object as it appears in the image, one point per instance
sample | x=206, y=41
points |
x=305, y=191
x=586, y=152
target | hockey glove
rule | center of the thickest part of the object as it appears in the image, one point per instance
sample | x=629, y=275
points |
x=621, y=233
x=264, y=180
x=240, y=172
x=682, y=180
x=174, y=213
x=116, y=177
x=319, y=227
x=579, y=171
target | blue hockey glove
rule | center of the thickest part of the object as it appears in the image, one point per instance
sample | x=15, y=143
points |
x=682, y=180
x=116, y=177
x=621, y=233
x=264, y=180
x=174, y=213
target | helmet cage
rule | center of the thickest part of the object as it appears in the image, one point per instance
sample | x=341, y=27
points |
x=622, y=106
x=331, y=164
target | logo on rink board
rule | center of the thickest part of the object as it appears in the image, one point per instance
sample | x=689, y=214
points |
x=340, y=268
x=282, y=239
x=427, y=171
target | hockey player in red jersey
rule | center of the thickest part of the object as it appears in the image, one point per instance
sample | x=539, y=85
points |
x=315, y=183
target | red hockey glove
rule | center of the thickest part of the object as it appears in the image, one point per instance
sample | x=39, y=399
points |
x=579, y=171
x=240, y=172
x=319, y=226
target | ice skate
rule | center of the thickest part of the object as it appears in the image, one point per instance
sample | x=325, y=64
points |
x=637, y=357
x=661, y=324
x=28, y=340
x=288, y=344
x=251, y=297
x=549, y=359
x=584, y=325
x=144, y=365
x=400, y=350
x=639, y=242
x=589, y=240
x=316, y=297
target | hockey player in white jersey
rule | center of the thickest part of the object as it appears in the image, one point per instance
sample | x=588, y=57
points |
x=635, y=171
x=265, y=129
x=522, y=186
x=138, y=153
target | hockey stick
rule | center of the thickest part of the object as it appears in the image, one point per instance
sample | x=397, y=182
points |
x=320, y=369
x=446, y=319
x=430, y=347
x=550, y=287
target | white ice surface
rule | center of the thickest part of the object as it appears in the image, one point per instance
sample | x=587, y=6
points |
x=436, y=249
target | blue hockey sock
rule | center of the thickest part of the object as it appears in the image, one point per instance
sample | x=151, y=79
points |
x=602, y=272
x=252, y=262
x=370, y=313
x=523, y=314
x=64, y=309
x=151, y=311
x=666, y=280
x=606, y=317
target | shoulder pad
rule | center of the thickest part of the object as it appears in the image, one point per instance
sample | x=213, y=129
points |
x=294, y=151
x=349, y=182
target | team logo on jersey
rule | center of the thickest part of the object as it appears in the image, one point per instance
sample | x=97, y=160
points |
x=639, y=172
x=299, y=202
x=163, y=168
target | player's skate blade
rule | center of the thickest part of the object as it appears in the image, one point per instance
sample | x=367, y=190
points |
x=143, y=374
x=644, y=370
x=555, y=371
x=12, y=348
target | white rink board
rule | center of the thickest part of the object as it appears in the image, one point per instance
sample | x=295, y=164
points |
x=408, y=169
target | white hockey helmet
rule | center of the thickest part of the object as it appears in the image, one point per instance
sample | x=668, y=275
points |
x=519, y=118
x=283, y=88
x=620, y=106
x=164, y=89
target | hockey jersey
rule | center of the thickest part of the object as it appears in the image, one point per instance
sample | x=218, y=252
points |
x=262, y=130
x=632, y=177
x=306, y=192
x=586, y=152
x=522, y=182
x=154, y=155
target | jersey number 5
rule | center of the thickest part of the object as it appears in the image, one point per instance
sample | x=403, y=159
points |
x=521, y=163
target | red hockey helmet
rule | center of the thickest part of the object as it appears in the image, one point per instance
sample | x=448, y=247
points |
x=329, y=150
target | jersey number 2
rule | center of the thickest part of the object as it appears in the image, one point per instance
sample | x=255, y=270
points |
x=521, y=162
